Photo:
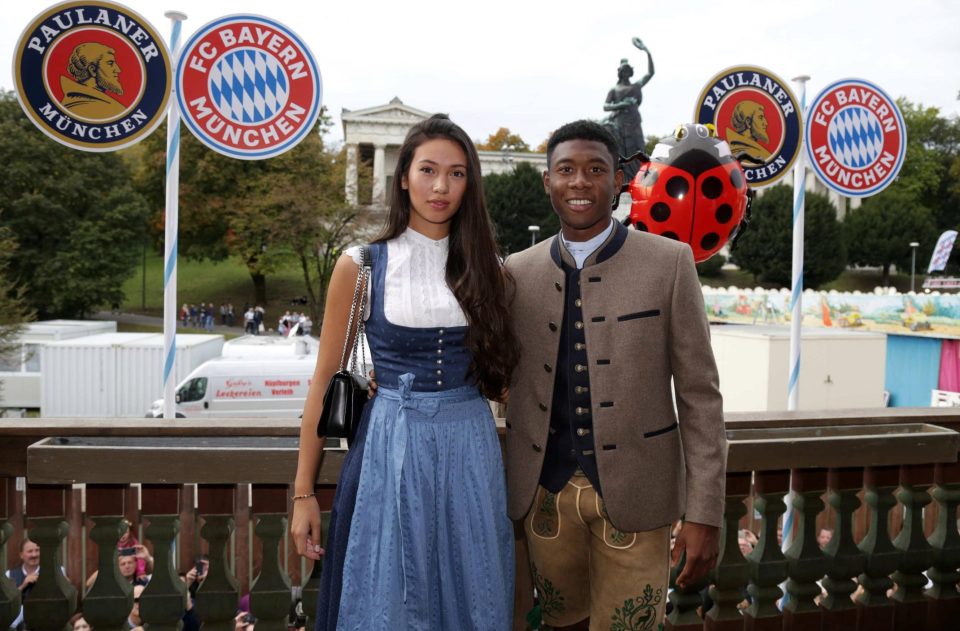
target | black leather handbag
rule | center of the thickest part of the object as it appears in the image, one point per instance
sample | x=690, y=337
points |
x=348, y=389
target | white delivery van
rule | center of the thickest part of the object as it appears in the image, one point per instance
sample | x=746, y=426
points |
x=230, y=387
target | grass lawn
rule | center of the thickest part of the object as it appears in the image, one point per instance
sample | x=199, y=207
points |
x=226, y=281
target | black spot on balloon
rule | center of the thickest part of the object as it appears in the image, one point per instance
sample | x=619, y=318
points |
x=736, y=179
x=671, y=235
x=660, y=212
x=712, y=187
x=709, y=240
x=642, y=227
x=677, y=187
x=724, y=213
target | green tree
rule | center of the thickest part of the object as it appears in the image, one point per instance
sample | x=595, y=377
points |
x=879, y=232
x=77, y=221
x=13, y=305
x=265, y=212
x=504, y=140
x=931, y=167
x=765, y=248
x=516, y=200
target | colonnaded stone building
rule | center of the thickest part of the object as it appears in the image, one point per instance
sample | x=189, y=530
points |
x=373, y=136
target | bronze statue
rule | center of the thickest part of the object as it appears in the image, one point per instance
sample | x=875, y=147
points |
x=623, y=103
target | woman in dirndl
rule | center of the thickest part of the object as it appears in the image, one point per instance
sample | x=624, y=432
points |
x=419, y=536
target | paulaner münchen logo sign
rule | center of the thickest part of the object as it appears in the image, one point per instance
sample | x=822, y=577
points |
x=248, y=87
x=94, y=76
x=759, y=117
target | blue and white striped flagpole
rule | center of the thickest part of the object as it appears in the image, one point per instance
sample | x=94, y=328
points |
x=171, y=229
x=796, y=305
x=796, y=299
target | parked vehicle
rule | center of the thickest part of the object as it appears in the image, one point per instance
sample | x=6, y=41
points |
x=232, y=387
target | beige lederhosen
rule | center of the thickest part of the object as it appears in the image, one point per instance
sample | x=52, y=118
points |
x=583, y=566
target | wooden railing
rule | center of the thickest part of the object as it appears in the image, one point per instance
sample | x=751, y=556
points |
x=887, y=483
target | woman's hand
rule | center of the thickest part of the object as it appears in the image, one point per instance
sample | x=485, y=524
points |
x=305, y=528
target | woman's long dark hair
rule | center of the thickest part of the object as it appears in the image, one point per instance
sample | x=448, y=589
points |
x=474, y=273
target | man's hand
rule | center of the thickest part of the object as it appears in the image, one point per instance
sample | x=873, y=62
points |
x=29, y=580
x=702, y=544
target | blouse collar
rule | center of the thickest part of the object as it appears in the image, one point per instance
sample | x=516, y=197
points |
x=417, y=238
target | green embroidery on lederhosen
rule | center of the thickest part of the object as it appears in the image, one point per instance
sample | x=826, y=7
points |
x=638, y=614
x=550, y=598
x=546, y=519
x=614, y=537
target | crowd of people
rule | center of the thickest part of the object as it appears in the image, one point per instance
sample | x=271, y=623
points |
x=135, y=565
x=205, y=316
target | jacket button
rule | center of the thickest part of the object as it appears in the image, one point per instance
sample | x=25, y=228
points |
x=558, y=286
x=543, y=408
x=578, y=324
x=581, y=389
x=578, y=368
x=537, y=448
x=553, y=326
x=578, y=302
x=583, y=431
x=547, y=368
x=579, y=346
x=581, y=411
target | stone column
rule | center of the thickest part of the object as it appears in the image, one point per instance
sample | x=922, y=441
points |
x=379, y=175
x=351, y=183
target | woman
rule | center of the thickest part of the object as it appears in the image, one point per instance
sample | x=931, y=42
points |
x=419, y=536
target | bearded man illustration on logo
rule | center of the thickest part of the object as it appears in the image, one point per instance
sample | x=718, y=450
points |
x=95, y=72
x=748, y=129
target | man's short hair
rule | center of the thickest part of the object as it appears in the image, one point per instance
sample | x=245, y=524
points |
x=742, y=118
x=584, y=130
x=82, y=56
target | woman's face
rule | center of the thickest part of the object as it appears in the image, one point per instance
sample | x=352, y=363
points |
x=81, y=625
x=128, y=566
x=436, y=182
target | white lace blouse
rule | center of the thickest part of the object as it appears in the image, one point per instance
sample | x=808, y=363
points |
x=416, y=292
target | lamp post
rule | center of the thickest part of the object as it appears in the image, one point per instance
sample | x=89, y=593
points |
x=534, y=231
x=913, y=262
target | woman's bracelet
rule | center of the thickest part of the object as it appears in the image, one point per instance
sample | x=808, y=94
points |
x=302, y=497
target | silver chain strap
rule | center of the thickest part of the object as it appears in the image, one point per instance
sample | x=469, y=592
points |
x=357, y=308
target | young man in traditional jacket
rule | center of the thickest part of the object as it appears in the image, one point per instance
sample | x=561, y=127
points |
x=599, y=464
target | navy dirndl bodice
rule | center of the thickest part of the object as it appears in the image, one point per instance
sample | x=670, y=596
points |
x=437, y=357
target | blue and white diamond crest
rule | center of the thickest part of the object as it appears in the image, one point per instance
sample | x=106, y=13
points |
x=248, y=86
x=856, y=137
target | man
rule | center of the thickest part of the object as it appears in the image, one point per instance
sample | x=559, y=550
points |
x=748, y=128
x=595, y=464
x=25, y=576
x=95, y=72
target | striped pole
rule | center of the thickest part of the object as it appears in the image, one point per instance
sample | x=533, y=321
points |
x=796, y=299
x=171, y=229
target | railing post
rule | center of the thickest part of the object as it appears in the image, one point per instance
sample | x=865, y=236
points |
x=881, y=558
x=163, y=602
x=108, y=603
x=806, y=563
x=9, y=594
x=910, y=606
x=270, y=591
x=944, y=600
x=846, y=560
x=217, y=596
x=685, y=602
x=768, y=567
x=732, y=571
x=53, y=599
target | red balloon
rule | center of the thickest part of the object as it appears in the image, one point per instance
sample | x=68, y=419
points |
x=692, y=190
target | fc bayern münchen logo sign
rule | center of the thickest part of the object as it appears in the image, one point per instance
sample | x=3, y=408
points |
x=92, y=75
x=856, y=138
x=248, y=87
x=759, y=117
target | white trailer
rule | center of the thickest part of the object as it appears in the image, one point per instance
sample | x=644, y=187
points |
x=271, y=347
x=20, y=369
x=839, y=368
x=115, y=374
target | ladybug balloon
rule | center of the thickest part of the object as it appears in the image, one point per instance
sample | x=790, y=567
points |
x=692, y=190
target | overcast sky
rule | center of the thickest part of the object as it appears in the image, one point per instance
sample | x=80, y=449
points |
x=532, y=66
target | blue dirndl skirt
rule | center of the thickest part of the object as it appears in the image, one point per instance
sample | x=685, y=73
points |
x=419, y=536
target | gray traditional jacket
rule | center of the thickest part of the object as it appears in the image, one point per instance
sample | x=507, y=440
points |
x=645, y=324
